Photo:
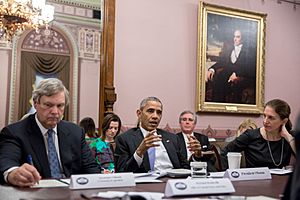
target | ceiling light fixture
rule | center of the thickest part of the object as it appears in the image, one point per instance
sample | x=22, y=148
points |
x=19, y=15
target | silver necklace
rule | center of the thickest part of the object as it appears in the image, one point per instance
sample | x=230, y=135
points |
x=282, y=144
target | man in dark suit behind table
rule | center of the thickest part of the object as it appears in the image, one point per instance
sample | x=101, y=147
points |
x=187, y=122
x=42, y=145
x=134, y=147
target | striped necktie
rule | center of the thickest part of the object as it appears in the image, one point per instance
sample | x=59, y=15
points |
x=52, y=156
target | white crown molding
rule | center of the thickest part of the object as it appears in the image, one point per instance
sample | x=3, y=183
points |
x=93, y=4
x=68, y=19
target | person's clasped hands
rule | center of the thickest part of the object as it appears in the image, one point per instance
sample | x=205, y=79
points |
x=150, y=140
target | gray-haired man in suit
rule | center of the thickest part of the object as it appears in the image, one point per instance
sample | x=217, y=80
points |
x=42, y=145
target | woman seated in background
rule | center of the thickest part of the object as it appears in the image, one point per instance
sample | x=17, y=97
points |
x=89, y=128
x=244, y=125
x=102, y=147
x=269, y=146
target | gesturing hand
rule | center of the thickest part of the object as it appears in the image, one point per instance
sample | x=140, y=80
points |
x=150, y=140
x=194, y=146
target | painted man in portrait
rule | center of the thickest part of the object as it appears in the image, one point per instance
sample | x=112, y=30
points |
x=232, y=77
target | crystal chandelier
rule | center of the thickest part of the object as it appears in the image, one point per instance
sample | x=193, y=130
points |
x=18, y=15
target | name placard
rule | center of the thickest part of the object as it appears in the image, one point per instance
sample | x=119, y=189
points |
x=181, y=187
x=86, y=181
x=242, y=174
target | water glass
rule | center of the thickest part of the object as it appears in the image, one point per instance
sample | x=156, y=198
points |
x=198, y=169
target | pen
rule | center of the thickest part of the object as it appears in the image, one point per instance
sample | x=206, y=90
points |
x=30, y=162
x=29, y=159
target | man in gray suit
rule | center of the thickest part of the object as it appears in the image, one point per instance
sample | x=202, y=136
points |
x=133, y=148
x=42, y=145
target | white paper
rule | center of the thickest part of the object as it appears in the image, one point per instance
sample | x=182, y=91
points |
x=280, y=171
x=260, y=198
x=119, y=194
x=137, y=175
x=49, y=183
x=150, y=177
x=175, y=172
x=216, y=174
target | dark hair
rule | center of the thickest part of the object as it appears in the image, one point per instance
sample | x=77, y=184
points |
x=144, y=103
x=283, y=109
x=89, y=127
x=111, y=117
x=147, y=99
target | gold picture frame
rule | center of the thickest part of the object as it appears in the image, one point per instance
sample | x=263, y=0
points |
x=230, y=64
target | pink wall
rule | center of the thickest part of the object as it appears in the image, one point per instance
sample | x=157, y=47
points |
x=4, y=77
x=89, y=89
x=156, y=53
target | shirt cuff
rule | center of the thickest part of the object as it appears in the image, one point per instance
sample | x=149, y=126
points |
x=5, y=174
x=138, y=159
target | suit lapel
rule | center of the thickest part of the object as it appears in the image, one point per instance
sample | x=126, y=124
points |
x=39, y=155
x=137, y=139
x=64, y=147
x=170, y=148
x=182, y=145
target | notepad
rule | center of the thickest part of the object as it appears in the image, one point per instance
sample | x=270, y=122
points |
x=50, y=183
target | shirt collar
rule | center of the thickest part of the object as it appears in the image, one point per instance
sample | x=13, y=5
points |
x=42, y=128
x=238, y=46
x=144, y=131
x=186, y=134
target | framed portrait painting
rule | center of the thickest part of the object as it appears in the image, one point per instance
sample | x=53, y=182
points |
x=230, y=68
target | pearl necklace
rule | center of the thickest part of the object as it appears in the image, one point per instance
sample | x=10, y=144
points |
x=282, y=144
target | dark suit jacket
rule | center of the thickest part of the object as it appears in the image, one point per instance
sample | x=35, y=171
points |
x=292, y=188
x=24, y=137
x=128, y=142
x=203, y=139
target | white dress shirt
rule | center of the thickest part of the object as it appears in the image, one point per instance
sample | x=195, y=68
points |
x=45, y=136
x=162, y=160
x=235, y=53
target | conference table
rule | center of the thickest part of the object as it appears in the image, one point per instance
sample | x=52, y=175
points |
x=271, y=188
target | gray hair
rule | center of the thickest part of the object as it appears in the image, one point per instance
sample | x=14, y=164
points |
x=145, y=101
x=49, y=87
x=188, y=112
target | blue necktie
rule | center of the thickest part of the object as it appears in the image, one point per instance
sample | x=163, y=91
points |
x=52, y=156
x=151, y=154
